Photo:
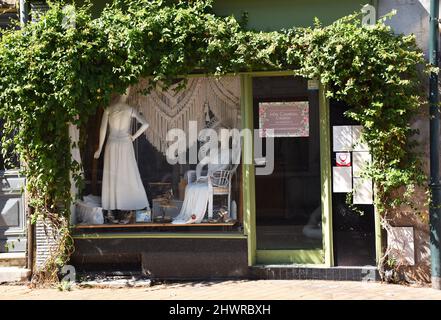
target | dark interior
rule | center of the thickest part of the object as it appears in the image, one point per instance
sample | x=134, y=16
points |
x=288, y=200
x=353, y=232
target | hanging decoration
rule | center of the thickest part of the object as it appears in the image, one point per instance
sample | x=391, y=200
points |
x=172, y=109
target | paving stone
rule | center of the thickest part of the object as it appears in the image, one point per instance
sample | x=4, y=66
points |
x=233, y=290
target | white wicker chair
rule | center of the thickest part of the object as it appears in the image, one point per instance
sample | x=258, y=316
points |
x=219, y=184
x=219, y=181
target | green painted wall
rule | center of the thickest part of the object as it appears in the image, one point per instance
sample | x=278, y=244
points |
x=277, y=14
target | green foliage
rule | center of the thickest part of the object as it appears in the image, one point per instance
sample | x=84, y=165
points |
x=64, y=286
x=53, y=74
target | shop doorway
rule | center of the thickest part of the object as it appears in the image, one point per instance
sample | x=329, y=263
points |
x=353, y=224
x=288, y=201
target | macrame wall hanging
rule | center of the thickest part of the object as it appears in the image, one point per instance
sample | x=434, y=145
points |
x=202, y=99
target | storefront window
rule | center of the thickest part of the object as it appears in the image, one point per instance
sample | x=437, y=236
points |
x=288, y=201
x=156, y=168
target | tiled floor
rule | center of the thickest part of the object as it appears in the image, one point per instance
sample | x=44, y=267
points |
x=237, y=290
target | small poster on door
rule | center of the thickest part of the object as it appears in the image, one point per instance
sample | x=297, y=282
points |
x=342, y=179
x=358, y=142
x=343, y=159
x=286, y=119
x=363, y=191
x=342, y=138
x=361, y=160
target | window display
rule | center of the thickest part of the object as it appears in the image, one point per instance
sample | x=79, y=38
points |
x=137, y=184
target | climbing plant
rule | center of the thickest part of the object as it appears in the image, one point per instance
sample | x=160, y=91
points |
x=59, y=70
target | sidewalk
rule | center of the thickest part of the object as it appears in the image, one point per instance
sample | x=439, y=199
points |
x=237, y=290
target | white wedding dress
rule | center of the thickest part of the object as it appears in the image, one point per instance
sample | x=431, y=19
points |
x=122, y=187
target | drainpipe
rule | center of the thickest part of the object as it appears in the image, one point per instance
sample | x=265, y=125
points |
x=435, y=186
x=24, y=12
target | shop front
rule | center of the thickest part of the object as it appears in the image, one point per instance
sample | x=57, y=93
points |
x=286, y=207
x=288, y=196
x=174, y=209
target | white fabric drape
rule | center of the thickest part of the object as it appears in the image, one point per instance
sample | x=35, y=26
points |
x=195, y=203
x=173, y=109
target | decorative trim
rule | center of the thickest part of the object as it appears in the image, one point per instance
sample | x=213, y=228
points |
x=162, y=235
x=248, y=179
x=171, y=109
x=326, y=186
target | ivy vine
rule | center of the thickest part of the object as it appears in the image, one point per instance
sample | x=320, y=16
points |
x=60, y=69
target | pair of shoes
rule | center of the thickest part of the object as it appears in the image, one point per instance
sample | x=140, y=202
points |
x=113, y=221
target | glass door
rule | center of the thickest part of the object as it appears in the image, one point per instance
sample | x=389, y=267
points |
x=288, y=201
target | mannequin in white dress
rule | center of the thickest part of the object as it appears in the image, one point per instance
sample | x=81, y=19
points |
x=122, y=187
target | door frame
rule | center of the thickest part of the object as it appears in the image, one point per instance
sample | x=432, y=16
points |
x=322, y=257
x=325, y=256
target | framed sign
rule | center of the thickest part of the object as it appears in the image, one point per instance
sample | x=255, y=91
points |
x=286, y=119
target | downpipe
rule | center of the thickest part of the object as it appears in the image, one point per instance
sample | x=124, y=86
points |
x=435, y=186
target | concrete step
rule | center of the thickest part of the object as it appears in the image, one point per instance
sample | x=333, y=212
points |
x=13, y=259
x=14, y=274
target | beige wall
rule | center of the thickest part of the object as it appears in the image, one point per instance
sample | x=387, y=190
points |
x=413, y=18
